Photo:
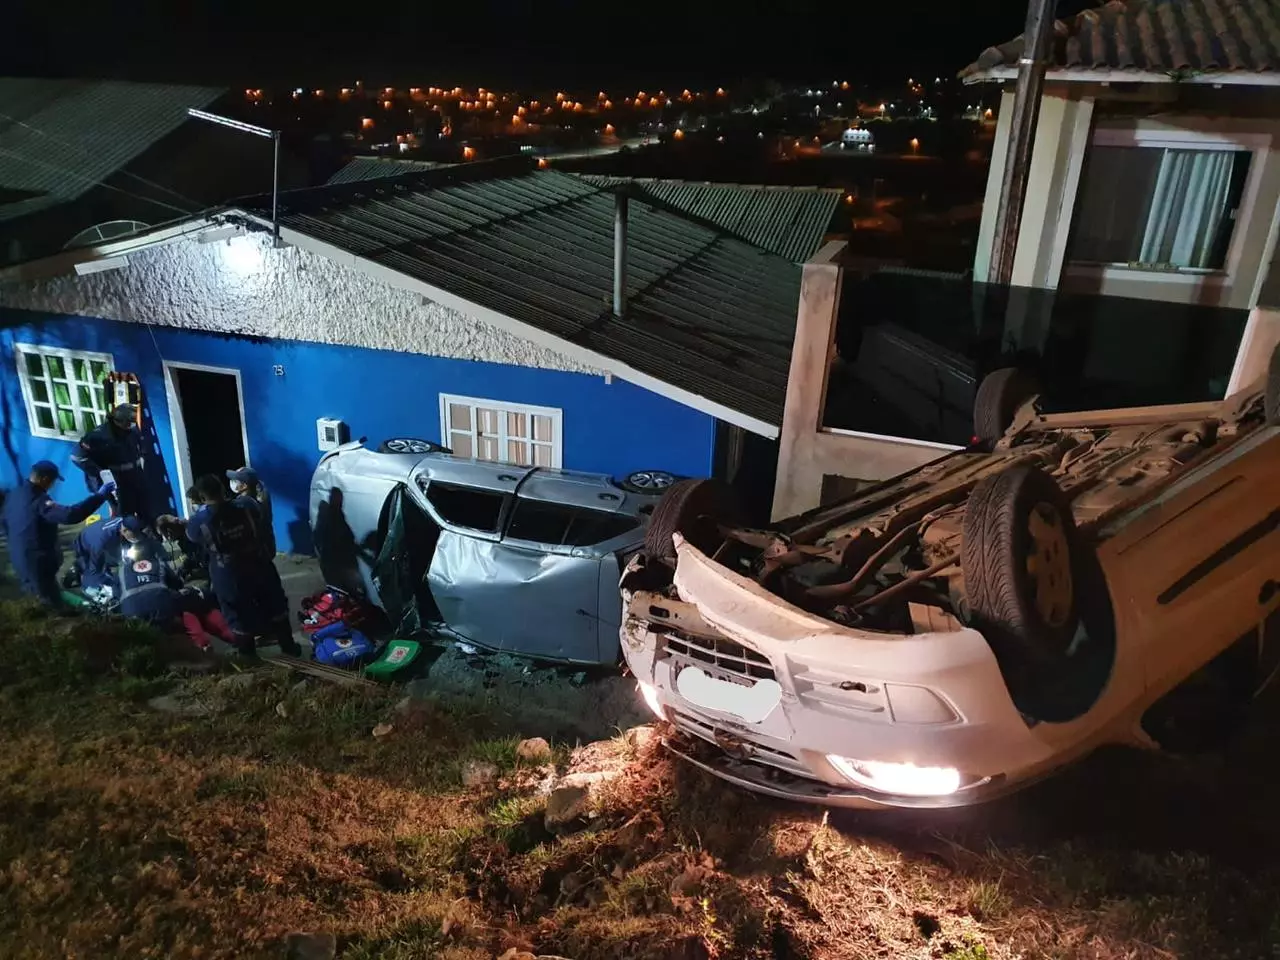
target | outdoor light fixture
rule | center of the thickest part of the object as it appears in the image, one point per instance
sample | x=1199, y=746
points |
x=273, y=136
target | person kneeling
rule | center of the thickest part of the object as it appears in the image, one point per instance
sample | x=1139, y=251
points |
x=148, y=589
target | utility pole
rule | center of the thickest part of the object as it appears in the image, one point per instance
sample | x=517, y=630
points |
x=274, y=137
x=1022, y=135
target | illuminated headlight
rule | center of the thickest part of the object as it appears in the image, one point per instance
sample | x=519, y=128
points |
x=650, y=694
x=903, y=779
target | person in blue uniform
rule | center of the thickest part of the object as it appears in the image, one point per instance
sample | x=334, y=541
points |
x=245, y=482
x=97, y=551
x=241, y=572
x=31, y=520
x=116, y=445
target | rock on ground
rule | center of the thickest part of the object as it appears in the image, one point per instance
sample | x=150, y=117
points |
x=477, y=773
x=533, y=750
x=311, y=946
x=565, y=804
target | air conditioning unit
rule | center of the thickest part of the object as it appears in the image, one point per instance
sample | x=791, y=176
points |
x=330, y=433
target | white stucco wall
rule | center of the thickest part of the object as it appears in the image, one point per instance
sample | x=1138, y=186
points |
x=243, y=285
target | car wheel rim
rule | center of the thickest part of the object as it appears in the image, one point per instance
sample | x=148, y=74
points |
x=406, y=446
x=1049, y=565
x=650, y=480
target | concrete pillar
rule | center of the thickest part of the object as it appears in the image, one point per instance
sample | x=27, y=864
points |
x=991, y=200
x=811, y=356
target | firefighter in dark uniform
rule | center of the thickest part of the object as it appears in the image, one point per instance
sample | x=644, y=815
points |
x=97, y=551
x=245, y=482
x=241, y=572
x=116, y=445
x=147, y=588
x=31, y=520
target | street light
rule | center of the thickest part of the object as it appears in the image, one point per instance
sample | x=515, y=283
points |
x=274, y=137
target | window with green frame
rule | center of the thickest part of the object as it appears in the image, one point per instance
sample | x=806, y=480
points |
x=63, y=389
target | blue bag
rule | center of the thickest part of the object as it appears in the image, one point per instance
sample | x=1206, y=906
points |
x=339, y=646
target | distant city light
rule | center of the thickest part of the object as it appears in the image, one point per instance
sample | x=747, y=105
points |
x=366, y=122
x=915, y=143
x=679, y=134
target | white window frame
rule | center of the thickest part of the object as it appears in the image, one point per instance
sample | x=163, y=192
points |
x=20, y=353
x=1155, y=135
x=504, y=407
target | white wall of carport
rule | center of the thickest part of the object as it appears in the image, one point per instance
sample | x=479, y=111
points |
x=245, y=285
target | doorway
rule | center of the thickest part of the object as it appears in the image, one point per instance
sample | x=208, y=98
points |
x=206, y=407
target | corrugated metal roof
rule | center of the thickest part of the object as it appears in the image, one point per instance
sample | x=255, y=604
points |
x=706, y=312
x=789, y=221
x=59, y=138
x=1157, y=36
x=379, y=168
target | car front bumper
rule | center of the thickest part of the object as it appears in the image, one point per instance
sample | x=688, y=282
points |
x=931, y=700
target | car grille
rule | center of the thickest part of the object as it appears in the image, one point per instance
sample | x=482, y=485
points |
x=759, y=752
x=722, y=654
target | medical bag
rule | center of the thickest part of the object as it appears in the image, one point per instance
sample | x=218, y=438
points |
x=339, y=646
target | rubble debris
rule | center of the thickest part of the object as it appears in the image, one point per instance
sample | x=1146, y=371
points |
x=477, y=773
x=382, y=729
x=533, y=750
x=565, y=804
x=282, y=711
x=236, y=681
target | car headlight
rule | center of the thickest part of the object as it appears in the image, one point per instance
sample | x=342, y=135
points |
x=650, y=694
x=904, y=779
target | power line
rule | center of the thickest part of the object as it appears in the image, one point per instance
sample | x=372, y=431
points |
x=92, y=182
x=88, y=153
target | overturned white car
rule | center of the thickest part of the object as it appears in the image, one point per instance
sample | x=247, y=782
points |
x=977, y=623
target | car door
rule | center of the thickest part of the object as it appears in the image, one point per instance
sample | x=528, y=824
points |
x=554, y=598
x=465, y=577
x=1200, y=566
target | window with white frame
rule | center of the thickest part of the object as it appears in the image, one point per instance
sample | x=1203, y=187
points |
x=1153, y=204
x=63, y=389
x=502, y=432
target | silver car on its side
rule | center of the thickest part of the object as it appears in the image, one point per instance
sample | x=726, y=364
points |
x=514, y=558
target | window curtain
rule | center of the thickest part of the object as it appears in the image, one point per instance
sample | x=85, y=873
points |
x=1187, y=207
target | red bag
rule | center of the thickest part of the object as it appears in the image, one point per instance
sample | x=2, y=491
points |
x=329, y=607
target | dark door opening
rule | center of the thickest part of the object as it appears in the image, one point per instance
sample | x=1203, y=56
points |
x=210, y=404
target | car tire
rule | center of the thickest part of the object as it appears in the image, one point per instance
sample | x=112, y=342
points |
x=1029, y=612
x=999, y=397
x=694, y=509
x=1271, y=398
x=652, y=482
x=410, y=445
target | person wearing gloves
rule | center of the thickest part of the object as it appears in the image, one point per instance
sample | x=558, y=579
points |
x=32, y=518
x=245, y=482
x=97, y=552
x=115, y=445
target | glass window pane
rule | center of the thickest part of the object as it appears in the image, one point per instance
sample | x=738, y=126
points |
x=540, y=522
x=40, y=390
x=517, y=425
x=459, y=416
x=590, y=527
x=98, y=369
x=460, y=444
x=80, y=370
x=44, y=417
x=88, y=421
x=35, y=366
x=62, y=394
x=99, y=399
x=66, y=420
x=542, y=428
x=467, y=507
x=518, y=452
x=541, y=455
x=84, y=396
x=487, y=449
x=56, y=367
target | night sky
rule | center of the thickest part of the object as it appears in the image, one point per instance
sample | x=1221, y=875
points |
x=512, y=43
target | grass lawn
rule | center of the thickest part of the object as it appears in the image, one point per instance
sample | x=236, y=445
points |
x=273, y=808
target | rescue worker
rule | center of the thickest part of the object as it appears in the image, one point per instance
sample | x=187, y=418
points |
x=245, y=482
x=116, y=445
x=97, y=551
x=241, y=572
x=149, y=589
x=32, y=518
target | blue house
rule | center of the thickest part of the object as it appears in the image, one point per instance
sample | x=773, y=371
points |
x=474, y=310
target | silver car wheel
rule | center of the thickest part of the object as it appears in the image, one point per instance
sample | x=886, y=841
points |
x=650, y=480
x=407, y=445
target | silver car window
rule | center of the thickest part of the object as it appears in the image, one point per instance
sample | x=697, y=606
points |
x=558, y=524
x=467, y=507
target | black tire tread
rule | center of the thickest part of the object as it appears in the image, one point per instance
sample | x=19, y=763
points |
x=996, y=403
x=991, y=559
x=684, y=502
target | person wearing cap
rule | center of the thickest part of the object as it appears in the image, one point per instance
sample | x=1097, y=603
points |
x=116, y=445
x=32, y=518
x=245, y=482
x=243, y=575
x=97, y=551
